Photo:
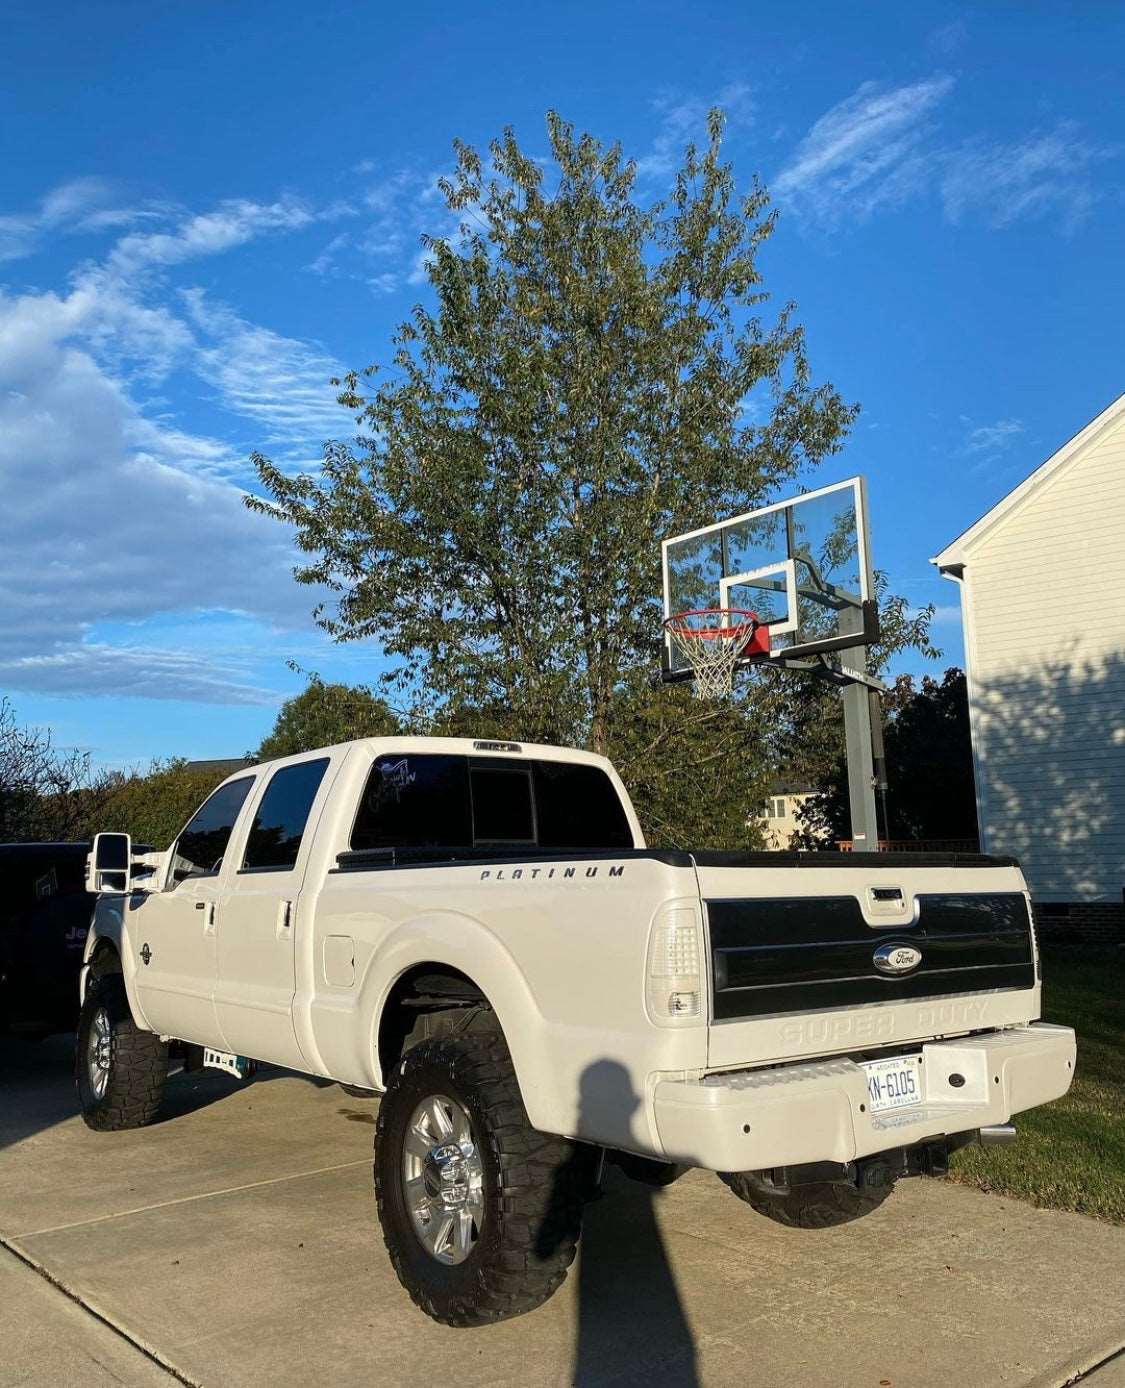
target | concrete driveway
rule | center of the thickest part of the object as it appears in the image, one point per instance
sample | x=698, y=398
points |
x=235, y=1243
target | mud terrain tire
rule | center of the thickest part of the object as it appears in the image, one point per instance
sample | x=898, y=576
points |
x=806, y=1207
x=125, y=1092
x=532, y=1185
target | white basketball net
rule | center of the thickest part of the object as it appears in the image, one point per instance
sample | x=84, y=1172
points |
x=711, y=640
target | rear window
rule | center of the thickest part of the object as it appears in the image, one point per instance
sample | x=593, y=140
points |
x=503, y=811
x=438, y=801
x=578, y=807
x=415, y=802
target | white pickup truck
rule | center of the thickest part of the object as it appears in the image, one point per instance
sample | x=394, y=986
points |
x=477, y=931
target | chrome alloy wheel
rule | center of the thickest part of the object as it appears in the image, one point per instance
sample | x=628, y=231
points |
x=443, y=1179
x=99, y=1048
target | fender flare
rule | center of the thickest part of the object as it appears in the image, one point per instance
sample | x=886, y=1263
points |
x=108, y=927
x=461, y=942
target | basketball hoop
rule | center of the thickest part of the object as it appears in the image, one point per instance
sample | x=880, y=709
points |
x=711, y=640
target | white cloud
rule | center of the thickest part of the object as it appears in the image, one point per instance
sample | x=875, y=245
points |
x=1046, y=174
x=684, y=120
x=279, y=383
x=880, y=147
x=231, y=224
x=95, y=529
x=866, y=152
x=98, y=668
x=991, y=438
x=78, y=205
x=115, y=513
x=70, y=201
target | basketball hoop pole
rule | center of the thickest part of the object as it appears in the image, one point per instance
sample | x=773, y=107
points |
x=858, y=744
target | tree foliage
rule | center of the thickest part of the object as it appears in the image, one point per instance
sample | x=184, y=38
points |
x=929, y=756
x=46, y=793
x=154, y=806
x=324, y=714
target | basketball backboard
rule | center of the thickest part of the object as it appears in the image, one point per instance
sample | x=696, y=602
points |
x=803, y=565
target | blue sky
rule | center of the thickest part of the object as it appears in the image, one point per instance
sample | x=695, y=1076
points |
x=208, y=209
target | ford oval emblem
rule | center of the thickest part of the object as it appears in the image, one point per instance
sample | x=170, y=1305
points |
x=897, y=959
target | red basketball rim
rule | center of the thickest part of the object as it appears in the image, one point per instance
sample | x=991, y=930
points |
x=740, y=622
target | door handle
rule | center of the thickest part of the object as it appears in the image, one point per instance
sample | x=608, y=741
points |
x=284, y=919
x=209, y=918
x=199, y=905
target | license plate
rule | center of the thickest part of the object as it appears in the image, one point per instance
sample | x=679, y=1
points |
x=894, y=1083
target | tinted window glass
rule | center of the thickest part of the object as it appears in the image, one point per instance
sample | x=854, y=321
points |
x=502, y=811
x=275, y=836
x=202, y=844
x=415, y=802
x=578, y=807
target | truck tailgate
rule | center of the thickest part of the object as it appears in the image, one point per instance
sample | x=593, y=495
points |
x=798, y=960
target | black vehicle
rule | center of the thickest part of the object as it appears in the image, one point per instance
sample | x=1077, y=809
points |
x=45, y=912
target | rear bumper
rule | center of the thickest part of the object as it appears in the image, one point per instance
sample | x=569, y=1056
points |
x=751, y=1120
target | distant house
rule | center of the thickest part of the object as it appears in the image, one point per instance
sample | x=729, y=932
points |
x=1042, y=580
x=779, y=814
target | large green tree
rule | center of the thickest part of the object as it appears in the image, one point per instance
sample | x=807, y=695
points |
x=579, y=388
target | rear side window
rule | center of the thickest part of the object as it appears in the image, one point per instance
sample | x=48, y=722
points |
x=200, y=849
x=578, y=807
x=279, y=824
x=452, y=802
x=415, y=802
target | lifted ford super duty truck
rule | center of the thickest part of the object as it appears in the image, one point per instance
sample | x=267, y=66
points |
x=476, y=931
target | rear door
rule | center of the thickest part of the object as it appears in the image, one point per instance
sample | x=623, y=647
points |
x=258, y=911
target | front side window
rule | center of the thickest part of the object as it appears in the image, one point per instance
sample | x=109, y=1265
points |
x=200, y=848
x=279, y=824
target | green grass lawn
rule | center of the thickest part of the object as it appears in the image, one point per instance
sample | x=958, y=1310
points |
x=1071, y=1154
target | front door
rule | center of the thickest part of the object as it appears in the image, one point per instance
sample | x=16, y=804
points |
x=257, y=917
x=172, y=932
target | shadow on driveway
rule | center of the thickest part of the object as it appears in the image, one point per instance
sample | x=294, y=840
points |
x=37, y=1088
x=632, y=1327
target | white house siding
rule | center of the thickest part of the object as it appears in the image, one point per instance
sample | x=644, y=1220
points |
x=1043, y=597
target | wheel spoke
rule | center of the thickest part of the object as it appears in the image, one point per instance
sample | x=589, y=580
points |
x=463, y=1234
x=417, y=1144
x=417, y=1197
x=440, y=1125
x=437, y=1236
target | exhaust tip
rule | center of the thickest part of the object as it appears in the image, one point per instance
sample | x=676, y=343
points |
x=997, y=1135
